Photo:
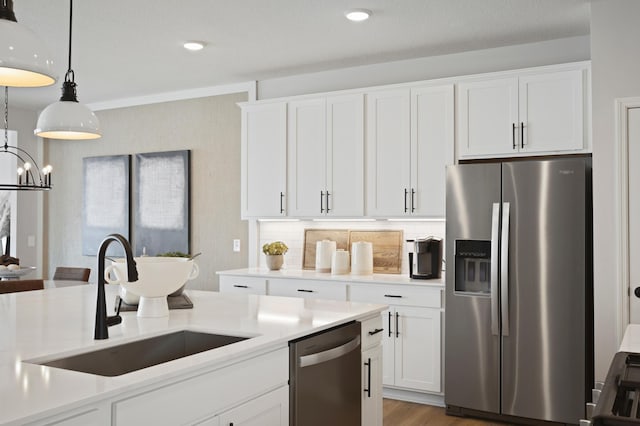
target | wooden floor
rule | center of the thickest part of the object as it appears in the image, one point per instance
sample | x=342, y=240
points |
x=400, y=413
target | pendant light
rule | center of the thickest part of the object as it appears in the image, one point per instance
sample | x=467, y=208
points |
x=67, y=118
x=30, y=177
x=25, y=61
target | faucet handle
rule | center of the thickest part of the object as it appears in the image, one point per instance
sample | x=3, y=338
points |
x=118, y=306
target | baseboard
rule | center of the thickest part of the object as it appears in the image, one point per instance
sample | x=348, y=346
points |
x=413, y=396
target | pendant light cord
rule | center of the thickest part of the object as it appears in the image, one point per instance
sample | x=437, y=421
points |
x=69, y=70
x=6, y=118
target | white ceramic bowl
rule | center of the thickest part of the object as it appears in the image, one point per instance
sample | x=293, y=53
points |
x=158, y=277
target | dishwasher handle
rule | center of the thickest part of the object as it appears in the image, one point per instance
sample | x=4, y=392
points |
x=329, y=354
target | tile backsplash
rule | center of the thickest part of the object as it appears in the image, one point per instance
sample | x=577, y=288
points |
x=292, y=233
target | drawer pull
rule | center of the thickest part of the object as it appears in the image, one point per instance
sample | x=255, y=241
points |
x=240, y=286
x=393, y=295
x=305, y=291
x=376, y=331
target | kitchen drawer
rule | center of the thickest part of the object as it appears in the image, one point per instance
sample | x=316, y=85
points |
x=205, y=395
x=239, y=284
x=427, y=297
x=308, y=289
x=372, y=332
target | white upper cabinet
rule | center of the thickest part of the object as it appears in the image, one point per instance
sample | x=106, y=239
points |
x=264, y=154
x=409, y=143
x=531, y=113
x=388, y=151
x=432, y=140
x=325, y=156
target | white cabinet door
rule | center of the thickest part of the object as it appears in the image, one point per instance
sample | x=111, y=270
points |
x=264, y=153
x=307, y=157
x=345, y=155
x=552, y=112
x=432, y=129
x=388, y=153
x=388, y=347
x=271, y=409
x=537, y=113
x=372, y=387
x=417, y=349
x=488, y=117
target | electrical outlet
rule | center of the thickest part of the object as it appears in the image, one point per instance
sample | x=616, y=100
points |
x=236, y=245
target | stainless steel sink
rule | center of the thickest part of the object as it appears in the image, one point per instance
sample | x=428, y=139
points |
x=133, y=356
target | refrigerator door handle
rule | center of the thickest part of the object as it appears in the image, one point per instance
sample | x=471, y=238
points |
x=495, y=229
x=504, y=270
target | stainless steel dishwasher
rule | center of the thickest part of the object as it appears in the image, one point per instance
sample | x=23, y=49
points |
x=324, y=378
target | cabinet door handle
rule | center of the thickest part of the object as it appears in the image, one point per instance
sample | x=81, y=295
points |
x=405, y=200
x=240, y=286
x=413, y=205
x=328, y=209
x=376, y=331
x=281, y=203
x=389, y=324
x=305, y=290
x=321, y=201
x=396, y=296
x=397, y=331
x=521, y=134
x=513, y=135
x=368, y=388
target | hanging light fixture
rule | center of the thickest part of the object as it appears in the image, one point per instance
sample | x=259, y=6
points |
x=24, y=59
x=30, y=176
x=67, y=118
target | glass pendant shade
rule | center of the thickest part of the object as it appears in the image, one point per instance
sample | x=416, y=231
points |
x=67, y=120
x=24, y=59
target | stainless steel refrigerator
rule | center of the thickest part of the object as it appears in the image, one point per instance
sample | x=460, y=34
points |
x=519, y=304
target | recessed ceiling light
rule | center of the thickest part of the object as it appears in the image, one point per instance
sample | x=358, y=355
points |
x=357, y=15
x=194, y=45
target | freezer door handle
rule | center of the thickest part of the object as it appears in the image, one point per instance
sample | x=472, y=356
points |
x=495, y=229
x=504, y=270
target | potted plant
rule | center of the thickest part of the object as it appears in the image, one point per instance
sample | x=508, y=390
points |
x=274, y=253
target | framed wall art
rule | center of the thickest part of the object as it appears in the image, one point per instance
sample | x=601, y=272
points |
x=162, y=200
x=106, y=201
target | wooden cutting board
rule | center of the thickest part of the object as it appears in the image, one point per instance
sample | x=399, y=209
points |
x=312, y=236
x=387, y=249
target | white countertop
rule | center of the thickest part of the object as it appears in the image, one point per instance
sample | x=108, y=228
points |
x=631, y=339
x=304, y=274
x=60, y=321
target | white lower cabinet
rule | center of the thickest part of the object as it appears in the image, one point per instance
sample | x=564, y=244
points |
x=411, y=337
x=307, y=289
x=372, y=372
x=240, y=284
x=412, y=348
x=271, y=409
x=204, y=396
x=94, y=415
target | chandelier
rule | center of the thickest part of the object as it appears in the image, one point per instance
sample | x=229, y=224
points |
x=29, y=175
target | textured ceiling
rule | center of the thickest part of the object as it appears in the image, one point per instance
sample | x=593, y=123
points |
x=134, y=48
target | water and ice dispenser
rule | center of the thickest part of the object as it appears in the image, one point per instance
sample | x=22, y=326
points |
x=473, y=266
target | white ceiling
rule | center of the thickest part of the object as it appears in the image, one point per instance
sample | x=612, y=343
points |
x=130, y=48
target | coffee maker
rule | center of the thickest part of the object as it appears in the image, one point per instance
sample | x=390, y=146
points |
x=425, y=262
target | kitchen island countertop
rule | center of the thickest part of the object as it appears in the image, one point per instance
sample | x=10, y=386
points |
x=46, y=324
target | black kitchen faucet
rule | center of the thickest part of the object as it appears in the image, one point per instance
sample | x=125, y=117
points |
x=103, y=322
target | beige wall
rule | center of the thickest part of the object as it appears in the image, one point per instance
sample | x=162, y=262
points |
x=615, y=35
x=210, y=128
